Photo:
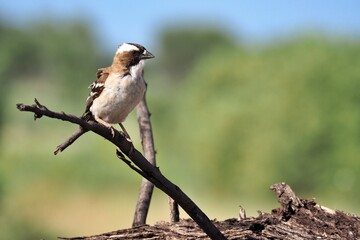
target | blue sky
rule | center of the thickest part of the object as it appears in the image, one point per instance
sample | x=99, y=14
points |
x=140, y=21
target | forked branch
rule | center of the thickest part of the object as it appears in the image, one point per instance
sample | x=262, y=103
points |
x=143, y=167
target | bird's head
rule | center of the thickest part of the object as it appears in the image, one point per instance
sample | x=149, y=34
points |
x=131, y=54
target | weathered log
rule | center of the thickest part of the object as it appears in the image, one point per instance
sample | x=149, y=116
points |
x=295, y=219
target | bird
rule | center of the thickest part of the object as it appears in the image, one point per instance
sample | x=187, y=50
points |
x=118, y=88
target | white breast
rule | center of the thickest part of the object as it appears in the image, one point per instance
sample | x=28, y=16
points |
x=119, y=97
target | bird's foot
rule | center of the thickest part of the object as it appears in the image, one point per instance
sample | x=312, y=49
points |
x=126, y=136
x=125, y=133
x=112, y=131
x=106, y=124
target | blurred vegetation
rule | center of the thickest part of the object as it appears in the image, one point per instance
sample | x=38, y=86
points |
x=240, y=119
x=188, y=45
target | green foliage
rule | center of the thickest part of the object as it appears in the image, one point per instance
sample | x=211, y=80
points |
x=181, y=48
x=57, y=55
x=67, y=52
x=18, y=53
x=287, y=113
x=53, y=62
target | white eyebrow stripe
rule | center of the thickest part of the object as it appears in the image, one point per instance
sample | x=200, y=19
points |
x=125, y=47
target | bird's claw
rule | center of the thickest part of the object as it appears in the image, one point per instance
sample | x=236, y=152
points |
x=112, y=131
x=126, y=136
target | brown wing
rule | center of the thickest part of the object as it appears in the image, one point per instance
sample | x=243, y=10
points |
x=96, y=88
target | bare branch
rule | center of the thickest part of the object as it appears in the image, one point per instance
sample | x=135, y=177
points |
x=152, y=173
x=147, y=141
x=146, y=188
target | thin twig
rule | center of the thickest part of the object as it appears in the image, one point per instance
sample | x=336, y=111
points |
x=78, y=133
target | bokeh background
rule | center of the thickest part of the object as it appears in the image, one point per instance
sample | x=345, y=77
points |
x=243, y=95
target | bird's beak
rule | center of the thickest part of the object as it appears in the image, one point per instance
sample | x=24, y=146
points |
x=147, y=55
